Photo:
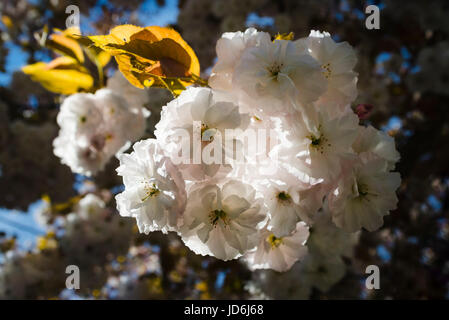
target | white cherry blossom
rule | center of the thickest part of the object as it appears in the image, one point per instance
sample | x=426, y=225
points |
x=193, y=127
x=223, y=221
x=95, y=127
x=372, y=142
x=321, y=142
x=154, y=191
x=364, y=196
x=288, y=201
x=279, y=253
x=329, y=240
x=337, y=61
x=279, y=70
x=229, y=49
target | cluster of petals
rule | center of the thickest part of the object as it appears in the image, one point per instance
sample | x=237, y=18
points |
x=229, y=197
x=95, y=127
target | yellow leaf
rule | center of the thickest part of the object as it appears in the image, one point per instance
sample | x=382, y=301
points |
x=148, y=56
x=118, y=35
x=175, y=85
x=103, y=57
x=64, y=44
x=134, y=75
x=64, y=62
x=62, y=75
x=163, y=33
x=98, y=56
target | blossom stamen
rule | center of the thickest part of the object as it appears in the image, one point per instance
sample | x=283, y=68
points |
x=216, y=215
x=283, y=196
x=274, y=70
x=362, y=189
x=274, y=241
x=327, y=71
x=319, y=143
x=151, y=191
x=207, y=134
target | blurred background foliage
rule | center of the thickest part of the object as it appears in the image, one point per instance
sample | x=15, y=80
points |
x=403, y=74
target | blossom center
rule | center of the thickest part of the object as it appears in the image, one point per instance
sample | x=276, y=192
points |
x=274, y=241
x=327, y=71
x=362, y=190
x=256, y=118
x=207, y=134
x=274, y=70
x=216, y=215
x=150, y=191
x=320, y=142
x=283, y=196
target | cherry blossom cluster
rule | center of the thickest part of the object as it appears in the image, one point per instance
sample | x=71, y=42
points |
x=241, y=169
x=95, y=127
x=321, y=268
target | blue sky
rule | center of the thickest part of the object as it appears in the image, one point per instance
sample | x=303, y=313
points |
x=21, y=224
x=15, y=59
